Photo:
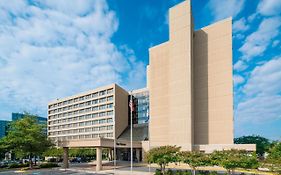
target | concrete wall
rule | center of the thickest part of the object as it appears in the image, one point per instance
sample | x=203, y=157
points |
x=213, y=95
x=170, y=81
x=121, y=110
x=190, y=83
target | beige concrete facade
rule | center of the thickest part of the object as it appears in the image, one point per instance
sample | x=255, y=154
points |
x=213, y=94
x=190, y=85
x=170, y=81
x=89, y=115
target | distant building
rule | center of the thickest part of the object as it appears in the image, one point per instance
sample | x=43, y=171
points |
x=17, y=116
x=3, y=127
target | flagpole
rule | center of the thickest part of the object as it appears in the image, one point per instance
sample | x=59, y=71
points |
x=131, y=101
x=114, y=147
x=149, y=165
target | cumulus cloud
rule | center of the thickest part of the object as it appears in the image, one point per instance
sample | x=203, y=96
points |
x=238, y=79
x=240, y=65
x=50, y=49
x=262, y=94
x=223, y=9
x=259, y=109
x=264, y=79
x=240, y=25
x=257, y=42
x=269, y=7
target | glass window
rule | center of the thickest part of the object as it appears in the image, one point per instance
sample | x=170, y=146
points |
x=109, y=91
x=102, y=93
x=110, y=98
x=110, y=105
x=94, y=95
x=102, y=100
x=102, y=107
x=102, y=114
x=95, y=108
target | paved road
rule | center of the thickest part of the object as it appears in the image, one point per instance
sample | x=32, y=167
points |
x=46, y=172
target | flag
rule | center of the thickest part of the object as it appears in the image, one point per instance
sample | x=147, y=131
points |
x=131, y=105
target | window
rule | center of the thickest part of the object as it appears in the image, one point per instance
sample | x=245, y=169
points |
x=88, y=130
x=95, y=135
x=95, y=108
x=109, y=113
x=94, y=102
x=110, y=105
x=102, y=100
x=95, y=128
x=102, y=114
x=95, y=115
x=82, y=124
x=109, y=120
x=102, y=107
x=109, y=91
x=102, y=92
x=102, y=121
x=109, y=134
x=94, y=95
x=110, y=98
x=95, y=122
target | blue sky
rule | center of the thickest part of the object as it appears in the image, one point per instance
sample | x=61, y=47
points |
x=53, y=48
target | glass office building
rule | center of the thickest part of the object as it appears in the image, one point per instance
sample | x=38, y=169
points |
x=141, y=106
x=3, y=127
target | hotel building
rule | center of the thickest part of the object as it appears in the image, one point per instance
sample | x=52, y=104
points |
x=188, y=100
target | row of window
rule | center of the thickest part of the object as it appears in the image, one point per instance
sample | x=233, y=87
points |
x=95, y=108
x=85, y=136
x=85, y=97
x=82, y=130
x=87, y=103
x=87, y=123
x=81, y=117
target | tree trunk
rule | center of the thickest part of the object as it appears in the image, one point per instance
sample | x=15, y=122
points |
x=193, y=171
x=35, y=160
x=30, y=162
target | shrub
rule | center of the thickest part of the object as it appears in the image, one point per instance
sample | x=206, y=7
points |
x=48, y=165
x=17, y=165
x=158, y=172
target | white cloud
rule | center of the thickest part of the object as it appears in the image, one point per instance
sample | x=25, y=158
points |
x=257, y=42
x=275, y=43
x=264, y=79
x=240, y=65
x=259, y=109
x=238, y=79
x=262, y=99
x=223, y=9
x=50, y=50
x=240, y=25
x=269, y=7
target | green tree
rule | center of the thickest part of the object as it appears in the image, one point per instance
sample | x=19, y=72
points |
x=83, y=153
x=262, y=144
x=232, y=159
x=162, y=156
x=195, y=159
x=53, y=152
x=274, y=156
x=27, y=138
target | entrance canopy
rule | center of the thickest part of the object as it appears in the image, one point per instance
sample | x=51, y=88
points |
x=98, y=142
